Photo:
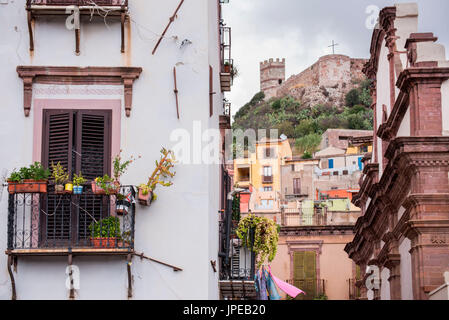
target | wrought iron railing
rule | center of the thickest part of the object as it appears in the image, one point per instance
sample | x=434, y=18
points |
x=304, y=217
x=109, y=3
x=240, y=263
x=227, y=108
x=54, y=220
x=315, y=289
x=226, y=56
x=354, y=291
x=267, y=179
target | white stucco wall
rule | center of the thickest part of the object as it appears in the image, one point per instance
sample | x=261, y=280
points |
x=385, y=284
x=445, y=106
x=383, y=96
x=406, y=270
x=404, y=128
x=181, y=227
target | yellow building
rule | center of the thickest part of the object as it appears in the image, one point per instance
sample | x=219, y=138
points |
x=262, y=169
x=360, y=145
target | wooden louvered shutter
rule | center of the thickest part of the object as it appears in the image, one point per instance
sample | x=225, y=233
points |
x=57, y=138
x=81, y=141
x=93, y=143
x=296, y=186
x=304, y=273
x=57, y=147
x=93, y=148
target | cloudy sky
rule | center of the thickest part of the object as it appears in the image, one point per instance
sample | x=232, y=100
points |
x=302, y=30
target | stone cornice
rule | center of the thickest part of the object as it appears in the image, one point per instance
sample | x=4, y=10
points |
x=370, y=172
x=317, y=230
x=78, y=76
x=418, y=145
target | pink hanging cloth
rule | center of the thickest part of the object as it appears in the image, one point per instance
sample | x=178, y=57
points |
x=284, y=286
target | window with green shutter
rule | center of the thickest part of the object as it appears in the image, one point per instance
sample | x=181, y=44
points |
x=305, y=273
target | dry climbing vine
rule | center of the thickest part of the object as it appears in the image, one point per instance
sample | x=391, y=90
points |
x=266, y=237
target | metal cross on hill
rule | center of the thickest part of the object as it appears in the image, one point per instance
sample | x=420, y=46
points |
x=333, y=46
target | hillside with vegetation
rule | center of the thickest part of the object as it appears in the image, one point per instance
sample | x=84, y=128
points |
x=304, y=124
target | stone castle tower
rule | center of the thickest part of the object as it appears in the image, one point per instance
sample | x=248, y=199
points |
x=272, y=76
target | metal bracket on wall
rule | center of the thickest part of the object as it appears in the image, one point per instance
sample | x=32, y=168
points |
x=130, y=280
x=72, y=290
x=11, y=275
x=36, y=10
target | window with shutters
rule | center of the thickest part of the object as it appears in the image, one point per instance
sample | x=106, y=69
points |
x=296, y=186
x=305, y=273
x=81, y=141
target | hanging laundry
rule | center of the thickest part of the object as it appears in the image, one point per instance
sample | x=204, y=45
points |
x=263, y=287
x=292, y=291
x=271, y=286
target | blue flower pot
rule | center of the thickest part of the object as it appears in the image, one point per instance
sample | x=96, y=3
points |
x=77, y=189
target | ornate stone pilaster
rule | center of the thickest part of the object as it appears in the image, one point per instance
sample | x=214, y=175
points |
x=428, y=231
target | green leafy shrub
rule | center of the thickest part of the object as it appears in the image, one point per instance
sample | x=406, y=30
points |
x=59, y=173
x=309, y=143
x=266, y=237
x=78, y=180
x=34, y=172
x=108, y=227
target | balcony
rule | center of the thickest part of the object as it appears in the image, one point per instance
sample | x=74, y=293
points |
x=227, y=63
x=103, y=8
x=318, y=216
x=110, y=3
x=237, y=266
x=304, y=217
x=315, y=289
x=61, y=224
x=267, y=179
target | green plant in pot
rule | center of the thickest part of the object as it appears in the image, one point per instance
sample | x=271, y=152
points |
x=105, y=185
x=78, y=183
x=32, y=179
x=111, y=185
x=160, y=175
x=260, y=235
x=60, y=176
x=105, y=233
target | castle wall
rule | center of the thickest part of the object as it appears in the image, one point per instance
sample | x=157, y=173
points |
x=325, y=82
x=272, y=75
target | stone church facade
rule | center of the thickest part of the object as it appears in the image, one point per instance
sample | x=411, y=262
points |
x=401, y=240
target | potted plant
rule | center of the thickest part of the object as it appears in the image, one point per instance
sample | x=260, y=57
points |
x=60, y=176
x=105, y=233
x=260, y=235
x=111, y=185
x=78, y=182
x=105, y=186
x=227, y=67
x=32, y=179
x=145, y=195
x=158, y=177
x=69, y=187
x=122, y=205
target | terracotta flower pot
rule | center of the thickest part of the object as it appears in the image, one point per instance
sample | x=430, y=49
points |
x=100, y=191
x=227, y=68
x=59, y=188
x=110, y=242
x=28, y=186
x=145, y=200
